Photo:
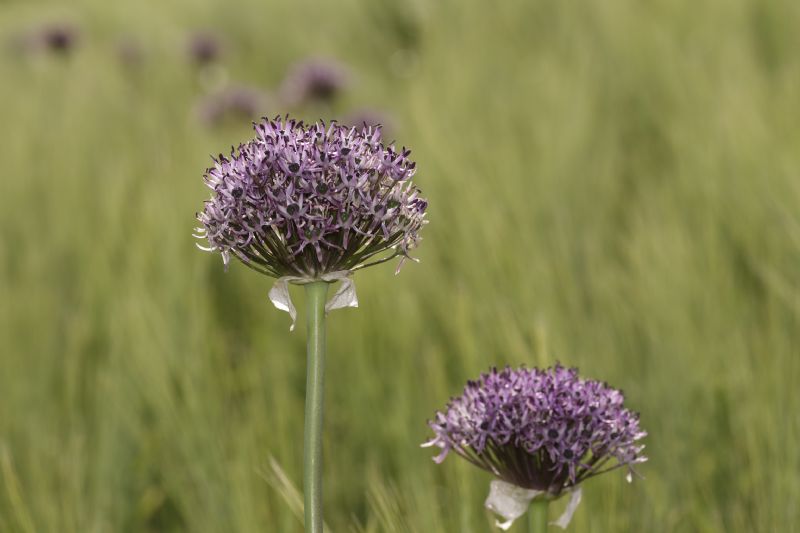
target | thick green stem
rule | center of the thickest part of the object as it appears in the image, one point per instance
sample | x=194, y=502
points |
x=537, y=516
x=315, y=392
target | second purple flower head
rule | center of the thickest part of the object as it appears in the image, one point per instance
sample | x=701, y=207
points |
x=540, y=432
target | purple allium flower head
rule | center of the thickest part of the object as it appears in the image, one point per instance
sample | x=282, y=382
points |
x=307, y=200
x=235, y=101
x=544, y=430
x=314, y=80
x=59, y=37
x=204, y=48
x=56, y=37
x=130, y=52
x=369, y=117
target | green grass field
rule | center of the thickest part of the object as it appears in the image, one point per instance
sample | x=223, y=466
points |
x=612, y=185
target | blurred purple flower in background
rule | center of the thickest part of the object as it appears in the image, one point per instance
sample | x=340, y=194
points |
x=204, y=48
x=370, y=117
x=130, y=52
x=59, y=37
x=233, y=102
x=56, y=37
x=314, y=80
x=309, y=200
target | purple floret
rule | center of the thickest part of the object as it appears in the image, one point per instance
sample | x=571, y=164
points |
x=306, y=200
x=545, y=430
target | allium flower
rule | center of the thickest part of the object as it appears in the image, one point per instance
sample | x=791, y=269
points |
x=369, y=117
x=541, y=430
x=59, y=37
x=130, y=52
x=309, y=204
x=310, y=200
x=204, y=48
x=314, y=80
x=235, y=101
x=56, y=37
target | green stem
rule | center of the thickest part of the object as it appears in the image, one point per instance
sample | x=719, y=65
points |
x=315, y=391
x=537, y=516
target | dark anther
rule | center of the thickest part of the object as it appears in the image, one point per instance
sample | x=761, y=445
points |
x=322, y=188
x=484, y=425
x=237, y=192
x=344, y=151
x=292, y=209
x=568, y=454
x=294, y=167
x=552, y=433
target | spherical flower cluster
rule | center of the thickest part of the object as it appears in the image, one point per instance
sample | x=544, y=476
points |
x=59, y=37
x=314, y=80
x=370, y=117
x=544, y=430
x=204, y=48
x=235, y=102
x=56, y=37
x=306, y=200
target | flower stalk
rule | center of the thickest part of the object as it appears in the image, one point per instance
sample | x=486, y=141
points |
x=537, y=515
x=315, y=391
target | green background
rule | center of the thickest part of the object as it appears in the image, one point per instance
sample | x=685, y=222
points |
x=613, y=184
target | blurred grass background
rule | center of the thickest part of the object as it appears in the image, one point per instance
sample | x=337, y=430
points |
x=613, y=185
